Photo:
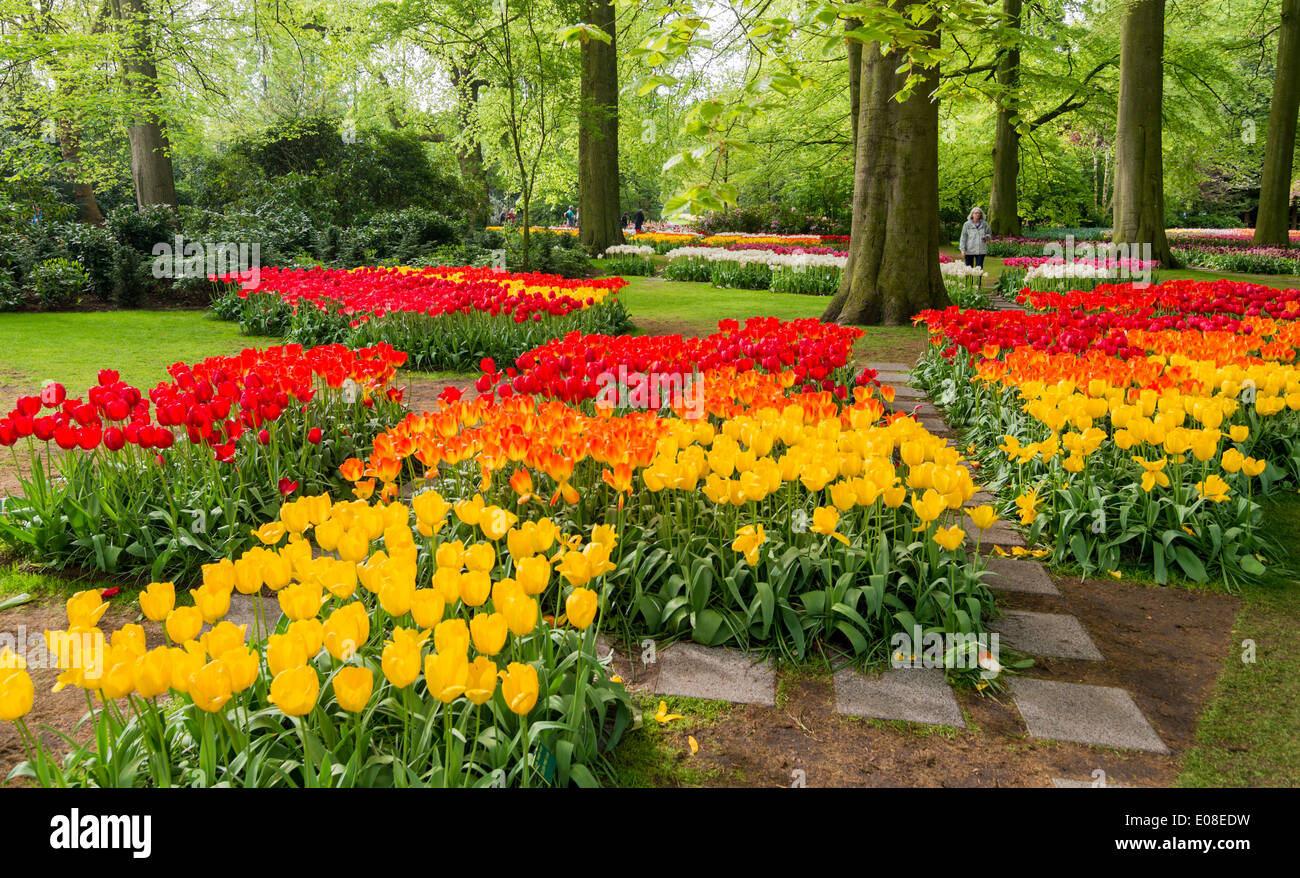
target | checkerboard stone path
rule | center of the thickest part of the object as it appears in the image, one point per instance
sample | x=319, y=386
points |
x=918, y=695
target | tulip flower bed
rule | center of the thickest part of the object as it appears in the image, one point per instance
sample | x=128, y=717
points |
x=784, y=513
x=1228, y=255
x=627, y=260
x=1050, y=273
x=412, y=652
x=442, y=318
x=127, y=483
x=1132, y=425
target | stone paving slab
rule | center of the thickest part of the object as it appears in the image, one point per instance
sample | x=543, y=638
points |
x=244, y=612
x=1000, y=534
x=890, y=367
x=1051, y=635
x=1102, y=716
x=919, y=695
x=894, y=378
x=1064, y=783
x=936, y=426
x=696, y=671
x=1029, y=577
x=905, y=392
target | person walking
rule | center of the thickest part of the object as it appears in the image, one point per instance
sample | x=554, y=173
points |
x=570, y=217
x=975, y=234
x=639, y=220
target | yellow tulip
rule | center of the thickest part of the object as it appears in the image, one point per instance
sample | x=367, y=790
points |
x=400, y=658
x=533, y=574
x=950, y=538
x=474, y=587
x=222, y=637
x=209, y=687
x=825, y=520
x=312, y=632
x=186, y=661
x=481, y=557
x=748, y=541
x=184, y=623
x=17, y=692
x=285, y=651
x=301, y=600
x=983, y=517
x=519, y=687
x=270, y=533
x=157, y=600
x=481, y=680
x=152, y=672
x=447, y=675
x=295, y=691
x=85, y=609
x=581, y=606
x=212, y=602
x=243, y=665
x=129, y=637
x=427, y=607
x=352, y=688
x=1252, y=467
x=220, y=576
x=488, y=632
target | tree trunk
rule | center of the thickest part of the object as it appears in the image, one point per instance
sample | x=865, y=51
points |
x=598, y=189
x=469, y=156
x=83, y=192
x=151, y=163
x=1273, y=221
x=893, y=263
x=1004, y=199
x=1139, y=213
x=854, y=48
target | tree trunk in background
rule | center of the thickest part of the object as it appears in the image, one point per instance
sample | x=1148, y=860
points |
x=83, y=192
x=854, y=48
x=893, y=263
x=469, y=156
x=1139, y=214
x=151, y=163
x=598, y=189
x=1275, y=188
x=1004, y=199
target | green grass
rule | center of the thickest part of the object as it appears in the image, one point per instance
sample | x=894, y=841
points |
x=1247, y=735
x=71, y=348
x=694, y=309
x=657, y=755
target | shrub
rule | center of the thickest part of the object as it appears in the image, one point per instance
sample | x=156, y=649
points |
x=58, y=282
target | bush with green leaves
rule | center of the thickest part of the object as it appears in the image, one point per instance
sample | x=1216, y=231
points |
x=59, y=282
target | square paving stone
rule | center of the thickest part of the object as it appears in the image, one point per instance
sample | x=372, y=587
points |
x=1009, y=574
x=894, y=378
x=1051, y=635
x=1064, y=783
x=890, y=367
x=244, y=612
x=919, y=695
x=696, y=671
x=1098, y=715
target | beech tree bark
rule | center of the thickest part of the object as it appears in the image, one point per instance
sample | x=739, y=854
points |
x=469, y=156
x=1273, y=222
x=893, y=263
x=854, y=48
x=1004, y=198
x=151, y=162
x=1139, y=205
x=598, y=185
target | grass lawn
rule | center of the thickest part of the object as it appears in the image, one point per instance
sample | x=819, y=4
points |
x=1247, y=735
x=660, y=307
x=71, y=348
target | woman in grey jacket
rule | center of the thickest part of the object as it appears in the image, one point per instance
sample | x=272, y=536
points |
x=975, y=234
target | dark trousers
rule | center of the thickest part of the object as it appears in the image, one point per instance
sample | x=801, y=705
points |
x=975, y=259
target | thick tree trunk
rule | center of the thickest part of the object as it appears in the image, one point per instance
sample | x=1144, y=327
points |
x=1139, y=215
x=469, y=156
x=151, y=162
x=854, y=48
x=1274, y=217
x=598, y=189
x=1004, y=199
x=83, y=192
x=893, y=264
